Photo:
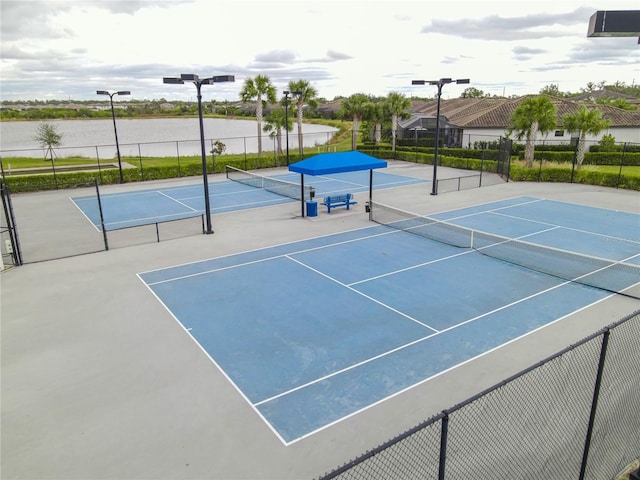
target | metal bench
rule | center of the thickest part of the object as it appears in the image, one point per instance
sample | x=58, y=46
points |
x=333, y=201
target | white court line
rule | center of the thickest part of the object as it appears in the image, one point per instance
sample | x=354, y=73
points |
x=388, y=307
x=274, y=257
x=409, y=344
x=567, y=228
x=177, y=201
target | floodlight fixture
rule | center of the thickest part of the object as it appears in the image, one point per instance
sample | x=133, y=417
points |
x=439, y=83
x=198, y=82
x=113, y=115
x=223, y=78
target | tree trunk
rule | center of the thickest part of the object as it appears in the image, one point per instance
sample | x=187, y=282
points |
x=580, y=151
x=354, y=134
x=300, y=139
x=279, y=140
x=259, y=120
x=394, y=129
x=378, y=135
x=530, y=146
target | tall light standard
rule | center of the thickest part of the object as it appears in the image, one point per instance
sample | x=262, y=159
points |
x=198, y=82
x=286, y=117
x=440, y=83
x=113, y=114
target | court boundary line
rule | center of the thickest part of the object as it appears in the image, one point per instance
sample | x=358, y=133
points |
x=99, y=230
x=286, y=443
x=274, y=257
x=255, y=405
x=415, y=342
x=176, y=200
x=464, y=362
x=573, y=229
x=216, y=364
x=283, y=244
x=368, y=297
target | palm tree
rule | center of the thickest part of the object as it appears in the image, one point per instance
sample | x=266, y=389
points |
x=258, y=89
x=302, y=93
x=376, y=113
x=275, y=122
x=533, y=115
x=355, y=107
x=584, y=121
x=398, y=107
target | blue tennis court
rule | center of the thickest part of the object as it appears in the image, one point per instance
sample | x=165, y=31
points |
x=142, y=207
x=315, y=331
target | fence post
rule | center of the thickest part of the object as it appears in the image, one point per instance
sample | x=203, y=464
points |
x=244, y=140
x=594, y=402
x=539, y=170
x=484, y=147
x=104, y=231
x=10, y=218
x=98, y=159
x=444, y=433
x=178, y=156
x=624, y=149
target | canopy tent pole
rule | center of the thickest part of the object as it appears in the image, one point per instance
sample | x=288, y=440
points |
x=370, y=193
x=302, y=193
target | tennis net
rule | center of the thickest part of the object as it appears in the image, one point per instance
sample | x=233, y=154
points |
x=280, y=187
x=610, y=275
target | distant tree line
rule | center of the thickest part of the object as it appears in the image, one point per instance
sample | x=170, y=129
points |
x=67, y=109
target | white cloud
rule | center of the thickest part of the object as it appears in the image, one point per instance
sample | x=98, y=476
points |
x=70, y=48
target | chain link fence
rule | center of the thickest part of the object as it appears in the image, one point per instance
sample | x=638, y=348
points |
x=37, y=226
x=571, y=416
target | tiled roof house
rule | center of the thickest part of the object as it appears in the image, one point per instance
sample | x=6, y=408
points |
x=486, y=119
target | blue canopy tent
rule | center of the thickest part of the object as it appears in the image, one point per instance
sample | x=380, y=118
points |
x=339, y=162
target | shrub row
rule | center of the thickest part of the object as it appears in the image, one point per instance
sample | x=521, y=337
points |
x=563, y=175
x=46, y=181
x=600, y=158
x=518, y=173
x=560, y=156
x=467, y=163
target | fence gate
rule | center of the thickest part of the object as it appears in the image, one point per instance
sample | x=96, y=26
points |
x=504, y=158
x=9, y=244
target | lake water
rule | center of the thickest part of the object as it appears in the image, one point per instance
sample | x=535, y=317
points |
x=150, y=137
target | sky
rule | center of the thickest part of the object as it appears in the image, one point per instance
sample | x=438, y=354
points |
x=66, y=50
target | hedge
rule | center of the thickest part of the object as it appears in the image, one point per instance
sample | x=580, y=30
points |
x=590, y=158
x=518, y=173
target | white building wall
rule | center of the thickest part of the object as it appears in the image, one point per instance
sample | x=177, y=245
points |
x=621, y=134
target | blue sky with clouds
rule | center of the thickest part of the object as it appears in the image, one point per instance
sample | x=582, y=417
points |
x=69, y=49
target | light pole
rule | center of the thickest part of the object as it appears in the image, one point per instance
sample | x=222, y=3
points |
x=198, y=82
x=286, y=117
x=113, y=114
x=440, y=83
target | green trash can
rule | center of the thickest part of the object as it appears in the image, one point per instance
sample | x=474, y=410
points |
x=312, y=209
